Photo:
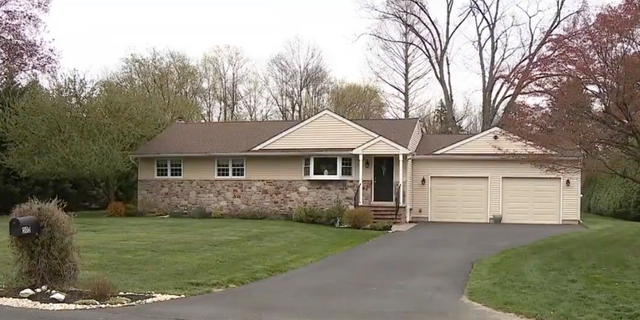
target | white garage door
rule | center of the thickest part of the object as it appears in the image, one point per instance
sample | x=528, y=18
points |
x=531, y=200
x=455, y=199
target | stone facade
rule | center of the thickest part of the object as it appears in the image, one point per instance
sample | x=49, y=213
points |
x=231, y=195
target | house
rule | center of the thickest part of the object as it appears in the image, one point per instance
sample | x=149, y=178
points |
x=281, y=165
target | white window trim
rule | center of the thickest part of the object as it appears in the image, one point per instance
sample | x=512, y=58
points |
x=230, y=176
x=339, y=176
x=168, y=176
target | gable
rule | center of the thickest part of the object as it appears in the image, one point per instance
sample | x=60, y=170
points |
x=381, y=145
x=322, y=132
x=492, y=141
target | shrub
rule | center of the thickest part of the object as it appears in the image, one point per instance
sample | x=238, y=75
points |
x=130, y=210
x=176, y=214
x=255, y=214
x=612, y=196
x=358, y=218
x=199, y=213
x=50, y=258
x=101, y=288
x=147, y=205
x=116, y=209
x=318, y=216
x=217, y=214
x=381, y=226
x=335, y=214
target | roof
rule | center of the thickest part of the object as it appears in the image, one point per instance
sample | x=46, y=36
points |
x=431, y=143
x=242, y=136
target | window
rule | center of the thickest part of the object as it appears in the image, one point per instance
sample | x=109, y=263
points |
x=169, y=168
x=230, y=168
x=328, y=167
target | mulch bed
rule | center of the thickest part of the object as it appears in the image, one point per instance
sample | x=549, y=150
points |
x=71, y=296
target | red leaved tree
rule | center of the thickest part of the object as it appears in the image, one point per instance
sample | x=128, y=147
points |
x=23, y=50
x=592, y=103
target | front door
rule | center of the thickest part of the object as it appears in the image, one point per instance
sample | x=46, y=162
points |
x=383, y=179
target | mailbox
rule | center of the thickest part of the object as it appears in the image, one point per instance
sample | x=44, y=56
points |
x=24, y=226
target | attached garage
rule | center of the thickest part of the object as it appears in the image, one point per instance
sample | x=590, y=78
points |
x=469, y=179
x=531, y=200
x=459, y=199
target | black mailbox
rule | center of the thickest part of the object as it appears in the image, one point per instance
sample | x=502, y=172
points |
x=24, y=226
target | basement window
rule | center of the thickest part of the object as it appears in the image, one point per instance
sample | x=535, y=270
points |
x=328, y=168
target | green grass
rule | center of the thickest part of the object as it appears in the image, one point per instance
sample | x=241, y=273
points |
x=589, y=275
x=188, y=256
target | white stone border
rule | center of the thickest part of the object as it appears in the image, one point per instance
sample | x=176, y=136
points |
x=26, y=303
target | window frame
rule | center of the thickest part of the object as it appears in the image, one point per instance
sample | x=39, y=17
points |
x=338, y=176
x=230, y=163
x=169, y=162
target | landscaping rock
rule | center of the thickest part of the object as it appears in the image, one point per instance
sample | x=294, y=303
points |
x=119, y=300
x=88, y=302
x=44, y=288
x=48, y=291
x=52, y=291
x=38, y=290
x=58, y=297
x=26, y=293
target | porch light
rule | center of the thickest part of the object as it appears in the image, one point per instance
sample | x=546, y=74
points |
x=366, y=163
x=423, y=181
x=568, y=183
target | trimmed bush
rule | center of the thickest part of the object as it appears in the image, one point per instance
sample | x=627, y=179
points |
x=50, y=258
x=255, y=214
x=116, y=209
x=381, y=226
x=612, y=196
x=315, y=216
x=101, y=288
x=335, y=214
x=199, y=213
x=358, y=218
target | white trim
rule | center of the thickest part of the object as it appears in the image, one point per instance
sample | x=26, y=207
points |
x=512, y=157
x=409, y=187
x=373, y=180
x=429, y=204
x=467, y=140
x=500, y=197
x=464, y=176
x=338, y=176
x=400, y=181
x=304, y=123
x=230, y=176
x=360, y=160
x=361, y=148
x=562, y=185
x=168, y=176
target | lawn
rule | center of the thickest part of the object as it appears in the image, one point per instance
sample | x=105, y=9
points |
x=589, y=275
x=188, y=256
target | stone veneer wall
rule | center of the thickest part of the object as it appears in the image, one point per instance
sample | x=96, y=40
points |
x=230, y=195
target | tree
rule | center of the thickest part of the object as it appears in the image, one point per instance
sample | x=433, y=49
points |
x=225, y=70
x=511, y=40
x=356, y=101
x=79, y=129
x=169, y=77
x=298, y=80
x=434, y=38
x=256, y=102
x=592, y=103
x=23, y=50
x=396, y=61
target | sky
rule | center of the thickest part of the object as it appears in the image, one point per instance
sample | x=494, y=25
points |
x=92, y=36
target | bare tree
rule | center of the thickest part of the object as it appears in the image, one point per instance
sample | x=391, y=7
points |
x=225, y=69
x=256, y=101
x=434, y=38
x=511, y=38
x=398, y=64
x=298, y=80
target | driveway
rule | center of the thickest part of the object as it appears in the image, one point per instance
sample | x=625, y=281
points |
x=417, y=274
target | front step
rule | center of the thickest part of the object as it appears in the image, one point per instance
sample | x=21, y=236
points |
x=386, y=213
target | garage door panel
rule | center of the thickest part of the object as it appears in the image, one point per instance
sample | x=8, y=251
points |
x=458, y=199
x=531, y=200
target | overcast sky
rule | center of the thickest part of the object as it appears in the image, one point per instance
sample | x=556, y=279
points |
x=93, y=35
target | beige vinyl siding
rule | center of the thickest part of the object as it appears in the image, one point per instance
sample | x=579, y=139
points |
x=415, y=137
x=324, y=132
x=380, y=148
x=459, y=199
x=495, y=170
x=531, y=200
x=487, y=145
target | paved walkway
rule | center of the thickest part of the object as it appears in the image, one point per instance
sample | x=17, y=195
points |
x=417, y=274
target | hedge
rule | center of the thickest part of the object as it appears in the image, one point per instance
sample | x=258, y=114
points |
x=612, y=196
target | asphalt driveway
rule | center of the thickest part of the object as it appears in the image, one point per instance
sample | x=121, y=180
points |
x=417, y=274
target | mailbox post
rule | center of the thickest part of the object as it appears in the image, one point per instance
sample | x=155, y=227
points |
x=24, y=226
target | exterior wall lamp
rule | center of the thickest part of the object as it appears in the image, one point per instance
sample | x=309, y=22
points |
x=366, y=163
x=568, y=182
x=423, y=181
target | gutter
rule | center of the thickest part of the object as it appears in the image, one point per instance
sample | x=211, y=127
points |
x=243, y=154
x=481, y=157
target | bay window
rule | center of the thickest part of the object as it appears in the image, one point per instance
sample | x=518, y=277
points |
x=327, y=168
